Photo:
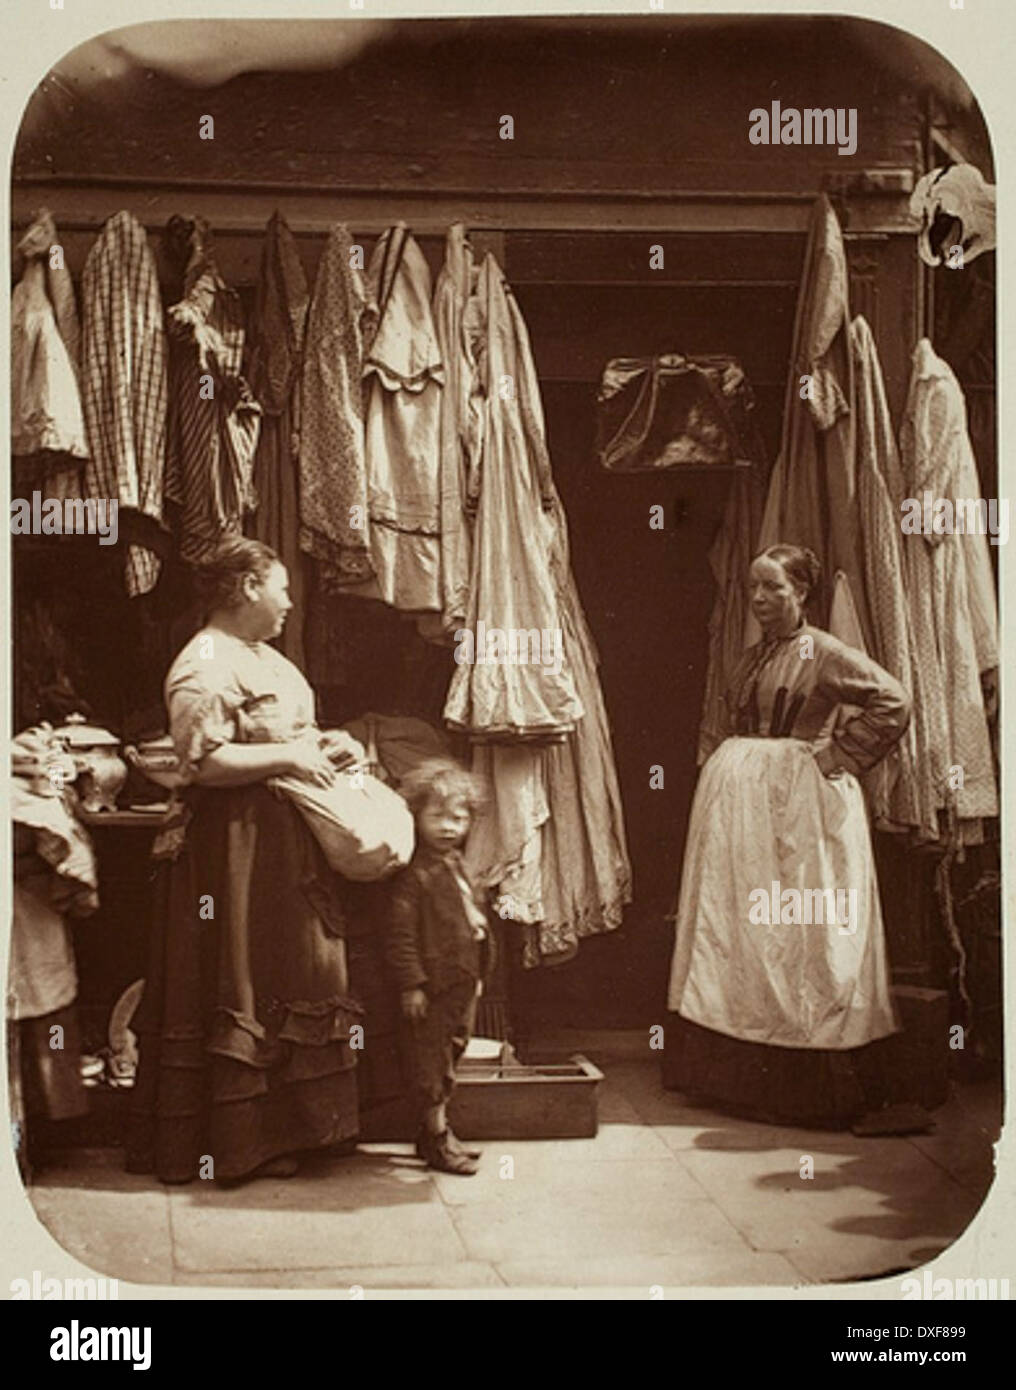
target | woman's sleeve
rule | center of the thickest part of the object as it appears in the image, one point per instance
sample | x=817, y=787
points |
x=849, y=677
x=201, y=717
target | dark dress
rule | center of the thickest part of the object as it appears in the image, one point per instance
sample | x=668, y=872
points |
x=244, y=1027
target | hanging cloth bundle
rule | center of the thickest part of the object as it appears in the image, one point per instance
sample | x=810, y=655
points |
x=672, y=412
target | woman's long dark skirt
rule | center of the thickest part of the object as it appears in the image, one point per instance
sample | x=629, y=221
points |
x=806, y=1087
x=244, y=1027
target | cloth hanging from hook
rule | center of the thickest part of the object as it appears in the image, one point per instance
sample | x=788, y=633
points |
x=674, y=411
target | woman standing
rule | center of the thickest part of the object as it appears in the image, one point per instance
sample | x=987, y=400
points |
x=780, y=976
x=245, y=1055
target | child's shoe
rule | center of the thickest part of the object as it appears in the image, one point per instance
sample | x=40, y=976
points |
x=436, y=1152
x=457, y=1147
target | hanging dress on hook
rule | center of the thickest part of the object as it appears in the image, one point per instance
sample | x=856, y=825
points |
x=47, y=428
x=403, y=376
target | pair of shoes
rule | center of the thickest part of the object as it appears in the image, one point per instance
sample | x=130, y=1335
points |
x=436, y=1152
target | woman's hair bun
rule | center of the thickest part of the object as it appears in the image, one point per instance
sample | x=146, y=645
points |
x=810, y=562
x=218, y=580
x=800, y=564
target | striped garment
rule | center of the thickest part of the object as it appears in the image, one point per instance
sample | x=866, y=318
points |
x=333, y=471
x=214, y=420
x=123, y=381
x=274, y=345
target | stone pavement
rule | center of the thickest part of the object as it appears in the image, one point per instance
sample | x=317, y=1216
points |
x=665, y=1194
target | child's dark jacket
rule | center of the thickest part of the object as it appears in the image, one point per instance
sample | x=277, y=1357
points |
x=430, y=941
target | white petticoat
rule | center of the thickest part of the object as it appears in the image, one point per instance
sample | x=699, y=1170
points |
x=765, y=820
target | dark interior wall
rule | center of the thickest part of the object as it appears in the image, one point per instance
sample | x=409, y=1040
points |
x=625, y=138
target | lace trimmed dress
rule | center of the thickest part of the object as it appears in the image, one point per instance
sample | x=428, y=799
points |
x=245, y=1022
x=780, y=972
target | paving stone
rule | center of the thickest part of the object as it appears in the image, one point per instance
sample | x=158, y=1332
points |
x=537, y=1176
x=636, y=1275
x=459, y=1274
x=383, y=1180
x=580, y=1226
x=124, y=1234
x=282, y=1229
x=856, y=1216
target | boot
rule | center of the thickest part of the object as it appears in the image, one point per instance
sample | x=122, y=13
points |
x=436, y=1152
x=458, y=1147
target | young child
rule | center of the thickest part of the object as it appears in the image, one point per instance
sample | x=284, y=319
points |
x=436, y=944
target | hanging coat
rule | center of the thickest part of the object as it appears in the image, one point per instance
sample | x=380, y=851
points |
x=951, y=595
x=275, y=345
x=402, y=385
x=460, y=422
x=512, y=590
x=812, y=499
x=123, y=381
x=214, y=419
x=333, y=478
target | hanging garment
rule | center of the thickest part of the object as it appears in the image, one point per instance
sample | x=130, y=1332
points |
x=41, y=240
x=956, y=209
x=402, y=387
x=669, y=411
x=123, y=381
x=214, y=419
x=61, y=841
x=333, y=478
x=460, y=421
x=275, y=345
x=808, y=970
x=585, y=869
x=951, y=595
x=901, y=790
x=812, y=499
x=730, y=557
x=512, y=590
x=505, y=845
x=54, y=876
x=46, y=414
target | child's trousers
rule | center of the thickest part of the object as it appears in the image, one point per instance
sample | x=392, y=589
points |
x=435, y=1043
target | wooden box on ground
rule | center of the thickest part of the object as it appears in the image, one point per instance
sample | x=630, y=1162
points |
x=542, y=1100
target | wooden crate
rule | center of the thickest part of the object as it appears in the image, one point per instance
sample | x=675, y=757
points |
x=541, y=1100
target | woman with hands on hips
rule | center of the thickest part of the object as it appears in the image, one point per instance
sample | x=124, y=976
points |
x=780, y=977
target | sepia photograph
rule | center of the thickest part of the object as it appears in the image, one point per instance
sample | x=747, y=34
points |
x=505, y=665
